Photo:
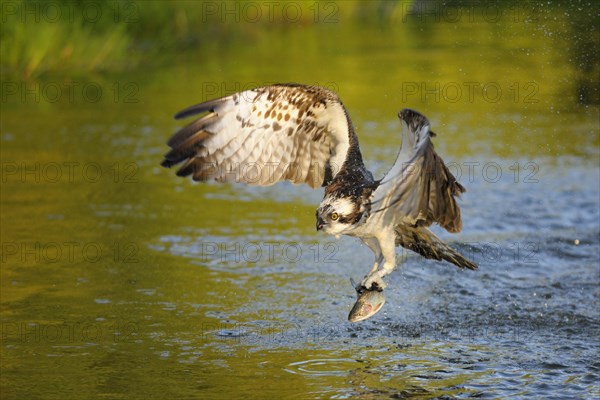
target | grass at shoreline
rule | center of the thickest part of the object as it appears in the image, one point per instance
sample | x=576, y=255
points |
x=59, y=39
x=42, y=38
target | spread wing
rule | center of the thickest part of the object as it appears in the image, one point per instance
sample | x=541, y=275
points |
x=419, y=190
x=262, y=136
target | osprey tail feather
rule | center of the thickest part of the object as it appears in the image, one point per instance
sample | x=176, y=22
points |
x=427, y=244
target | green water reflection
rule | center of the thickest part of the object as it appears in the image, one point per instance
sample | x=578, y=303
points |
x=105, y=292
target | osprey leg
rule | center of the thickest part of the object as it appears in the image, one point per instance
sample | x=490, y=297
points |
x=373, y=244
x=387, y=248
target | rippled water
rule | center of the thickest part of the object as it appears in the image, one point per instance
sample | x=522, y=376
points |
x=525, y=323
x=120, y=280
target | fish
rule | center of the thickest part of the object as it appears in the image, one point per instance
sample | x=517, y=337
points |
x=368, y=303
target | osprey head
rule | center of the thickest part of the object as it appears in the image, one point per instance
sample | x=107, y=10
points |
x=337, y=215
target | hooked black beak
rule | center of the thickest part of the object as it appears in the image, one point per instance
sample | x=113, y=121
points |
x=320, y=223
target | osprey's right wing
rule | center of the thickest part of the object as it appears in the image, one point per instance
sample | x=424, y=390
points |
x=419, y=189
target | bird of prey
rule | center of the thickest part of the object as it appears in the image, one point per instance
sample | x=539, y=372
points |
x=303, y=134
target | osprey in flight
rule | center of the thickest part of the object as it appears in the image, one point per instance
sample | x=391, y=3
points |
x=303, y=134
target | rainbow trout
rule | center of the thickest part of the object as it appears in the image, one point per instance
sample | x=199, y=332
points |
x=368, y=303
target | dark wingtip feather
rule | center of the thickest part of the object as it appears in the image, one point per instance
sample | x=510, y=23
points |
x=187, y=112
x=412, y=117
x=190, y=130
x=185, y=150
x=415, y=121
x=199, y=108
x=186, y=169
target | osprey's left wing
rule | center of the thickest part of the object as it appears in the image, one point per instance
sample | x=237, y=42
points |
x=262, y=136
x=419, y=190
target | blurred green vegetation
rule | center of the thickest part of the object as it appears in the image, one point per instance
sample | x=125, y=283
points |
x=41, y=38
x=66, y=38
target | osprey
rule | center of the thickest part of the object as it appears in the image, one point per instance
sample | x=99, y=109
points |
x=303, y=134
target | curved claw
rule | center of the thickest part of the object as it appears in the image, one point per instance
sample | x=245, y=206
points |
x=373, y=282
x=375, y=286
x=357, y=286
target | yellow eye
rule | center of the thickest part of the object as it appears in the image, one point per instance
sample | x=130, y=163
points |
x=334, y=216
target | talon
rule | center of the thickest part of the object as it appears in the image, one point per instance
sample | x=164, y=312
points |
x=357, y=286
x=373, y=282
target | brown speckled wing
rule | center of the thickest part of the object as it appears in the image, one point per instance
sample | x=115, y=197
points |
x=263, y=136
